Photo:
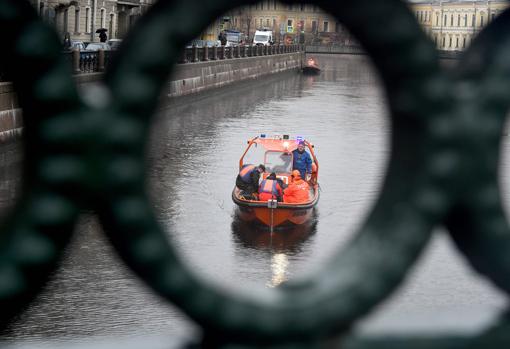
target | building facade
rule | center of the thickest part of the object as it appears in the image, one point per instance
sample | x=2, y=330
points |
x=289, y=22
x=81, y=18
x=453, y=24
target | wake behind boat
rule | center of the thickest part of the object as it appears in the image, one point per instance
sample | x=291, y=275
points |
x=276, y=154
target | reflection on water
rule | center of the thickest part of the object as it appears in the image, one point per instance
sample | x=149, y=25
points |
x=283, y=243
x=279, y=264
x=288, y=240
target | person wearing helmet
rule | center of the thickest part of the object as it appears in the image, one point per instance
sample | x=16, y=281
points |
x=298, y=190
x=302, y=161
x=248, y=179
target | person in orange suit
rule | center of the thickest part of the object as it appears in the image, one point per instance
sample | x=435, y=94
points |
x=298, y=190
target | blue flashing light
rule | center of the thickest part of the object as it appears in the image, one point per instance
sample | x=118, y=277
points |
x=263, y=135
x=299, y=138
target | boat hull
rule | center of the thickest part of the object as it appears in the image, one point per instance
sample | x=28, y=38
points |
x=309, y=70
x=283, y=215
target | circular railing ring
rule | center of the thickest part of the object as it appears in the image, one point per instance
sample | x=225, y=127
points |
x=394, y=234
x=477, y=223
x=41, y=223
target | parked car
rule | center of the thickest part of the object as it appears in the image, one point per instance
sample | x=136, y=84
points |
x=212, y=43
x=96, y=46
x=196, y=43
x=263, y=37
x=77, y=45
x=114, y=43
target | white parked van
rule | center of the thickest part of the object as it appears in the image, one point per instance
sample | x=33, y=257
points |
x=263, y=37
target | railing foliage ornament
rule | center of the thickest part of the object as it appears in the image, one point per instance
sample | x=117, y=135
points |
x=88, y=154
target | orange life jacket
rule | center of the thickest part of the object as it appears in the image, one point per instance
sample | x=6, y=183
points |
x=270, y=186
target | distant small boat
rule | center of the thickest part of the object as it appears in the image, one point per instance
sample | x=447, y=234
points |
x=311, y=67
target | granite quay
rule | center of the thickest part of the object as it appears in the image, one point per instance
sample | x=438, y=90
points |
x=196, y=73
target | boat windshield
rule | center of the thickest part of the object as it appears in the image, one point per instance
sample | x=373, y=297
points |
x=278, y=162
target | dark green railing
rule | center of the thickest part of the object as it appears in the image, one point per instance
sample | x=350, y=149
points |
x=443, y=170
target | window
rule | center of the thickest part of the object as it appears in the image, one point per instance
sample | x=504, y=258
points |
x=289, y=23
x=302, y=8
x=66, y=20
x=103, y=18
x=444, y=21
x=473, y=21
x=481, y=21
x=112, y=16
x=87, y=20
x=301, y=25
x=267, y=22
x=457, y=44
x=464, y=43
x=437, y=18
x=451, y=41
x=451, y=20
x=314, y=26
x=465, y=20
x=444, y=39
x=458, y=21
x=77, y=20
x=274, y=4
x=326, y=26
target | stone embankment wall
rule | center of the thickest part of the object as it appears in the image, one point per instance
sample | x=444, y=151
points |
x=186, y=79
x=202, y=76
x=11, y=122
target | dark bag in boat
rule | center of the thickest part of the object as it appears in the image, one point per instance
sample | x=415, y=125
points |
x=246, y=196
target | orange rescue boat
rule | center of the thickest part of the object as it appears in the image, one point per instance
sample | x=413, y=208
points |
x=276, y=155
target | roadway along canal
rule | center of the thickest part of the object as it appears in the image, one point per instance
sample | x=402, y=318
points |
x=194, y=154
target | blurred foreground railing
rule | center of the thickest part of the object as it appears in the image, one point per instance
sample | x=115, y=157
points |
x=87, y=154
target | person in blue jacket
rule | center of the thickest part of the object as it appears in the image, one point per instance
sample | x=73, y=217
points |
x=302, y=161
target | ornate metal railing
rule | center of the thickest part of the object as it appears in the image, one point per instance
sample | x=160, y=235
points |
x=201, y=54
x=443, y=170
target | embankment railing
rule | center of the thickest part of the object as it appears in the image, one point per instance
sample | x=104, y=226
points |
x=201, y=54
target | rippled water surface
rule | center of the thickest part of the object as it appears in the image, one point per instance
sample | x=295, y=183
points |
x=194, y=152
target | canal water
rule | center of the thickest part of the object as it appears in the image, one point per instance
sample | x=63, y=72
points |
x=194, y=152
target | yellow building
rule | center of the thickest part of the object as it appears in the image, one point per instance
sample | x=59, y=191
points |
x=295, y=22
x=453, y=24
